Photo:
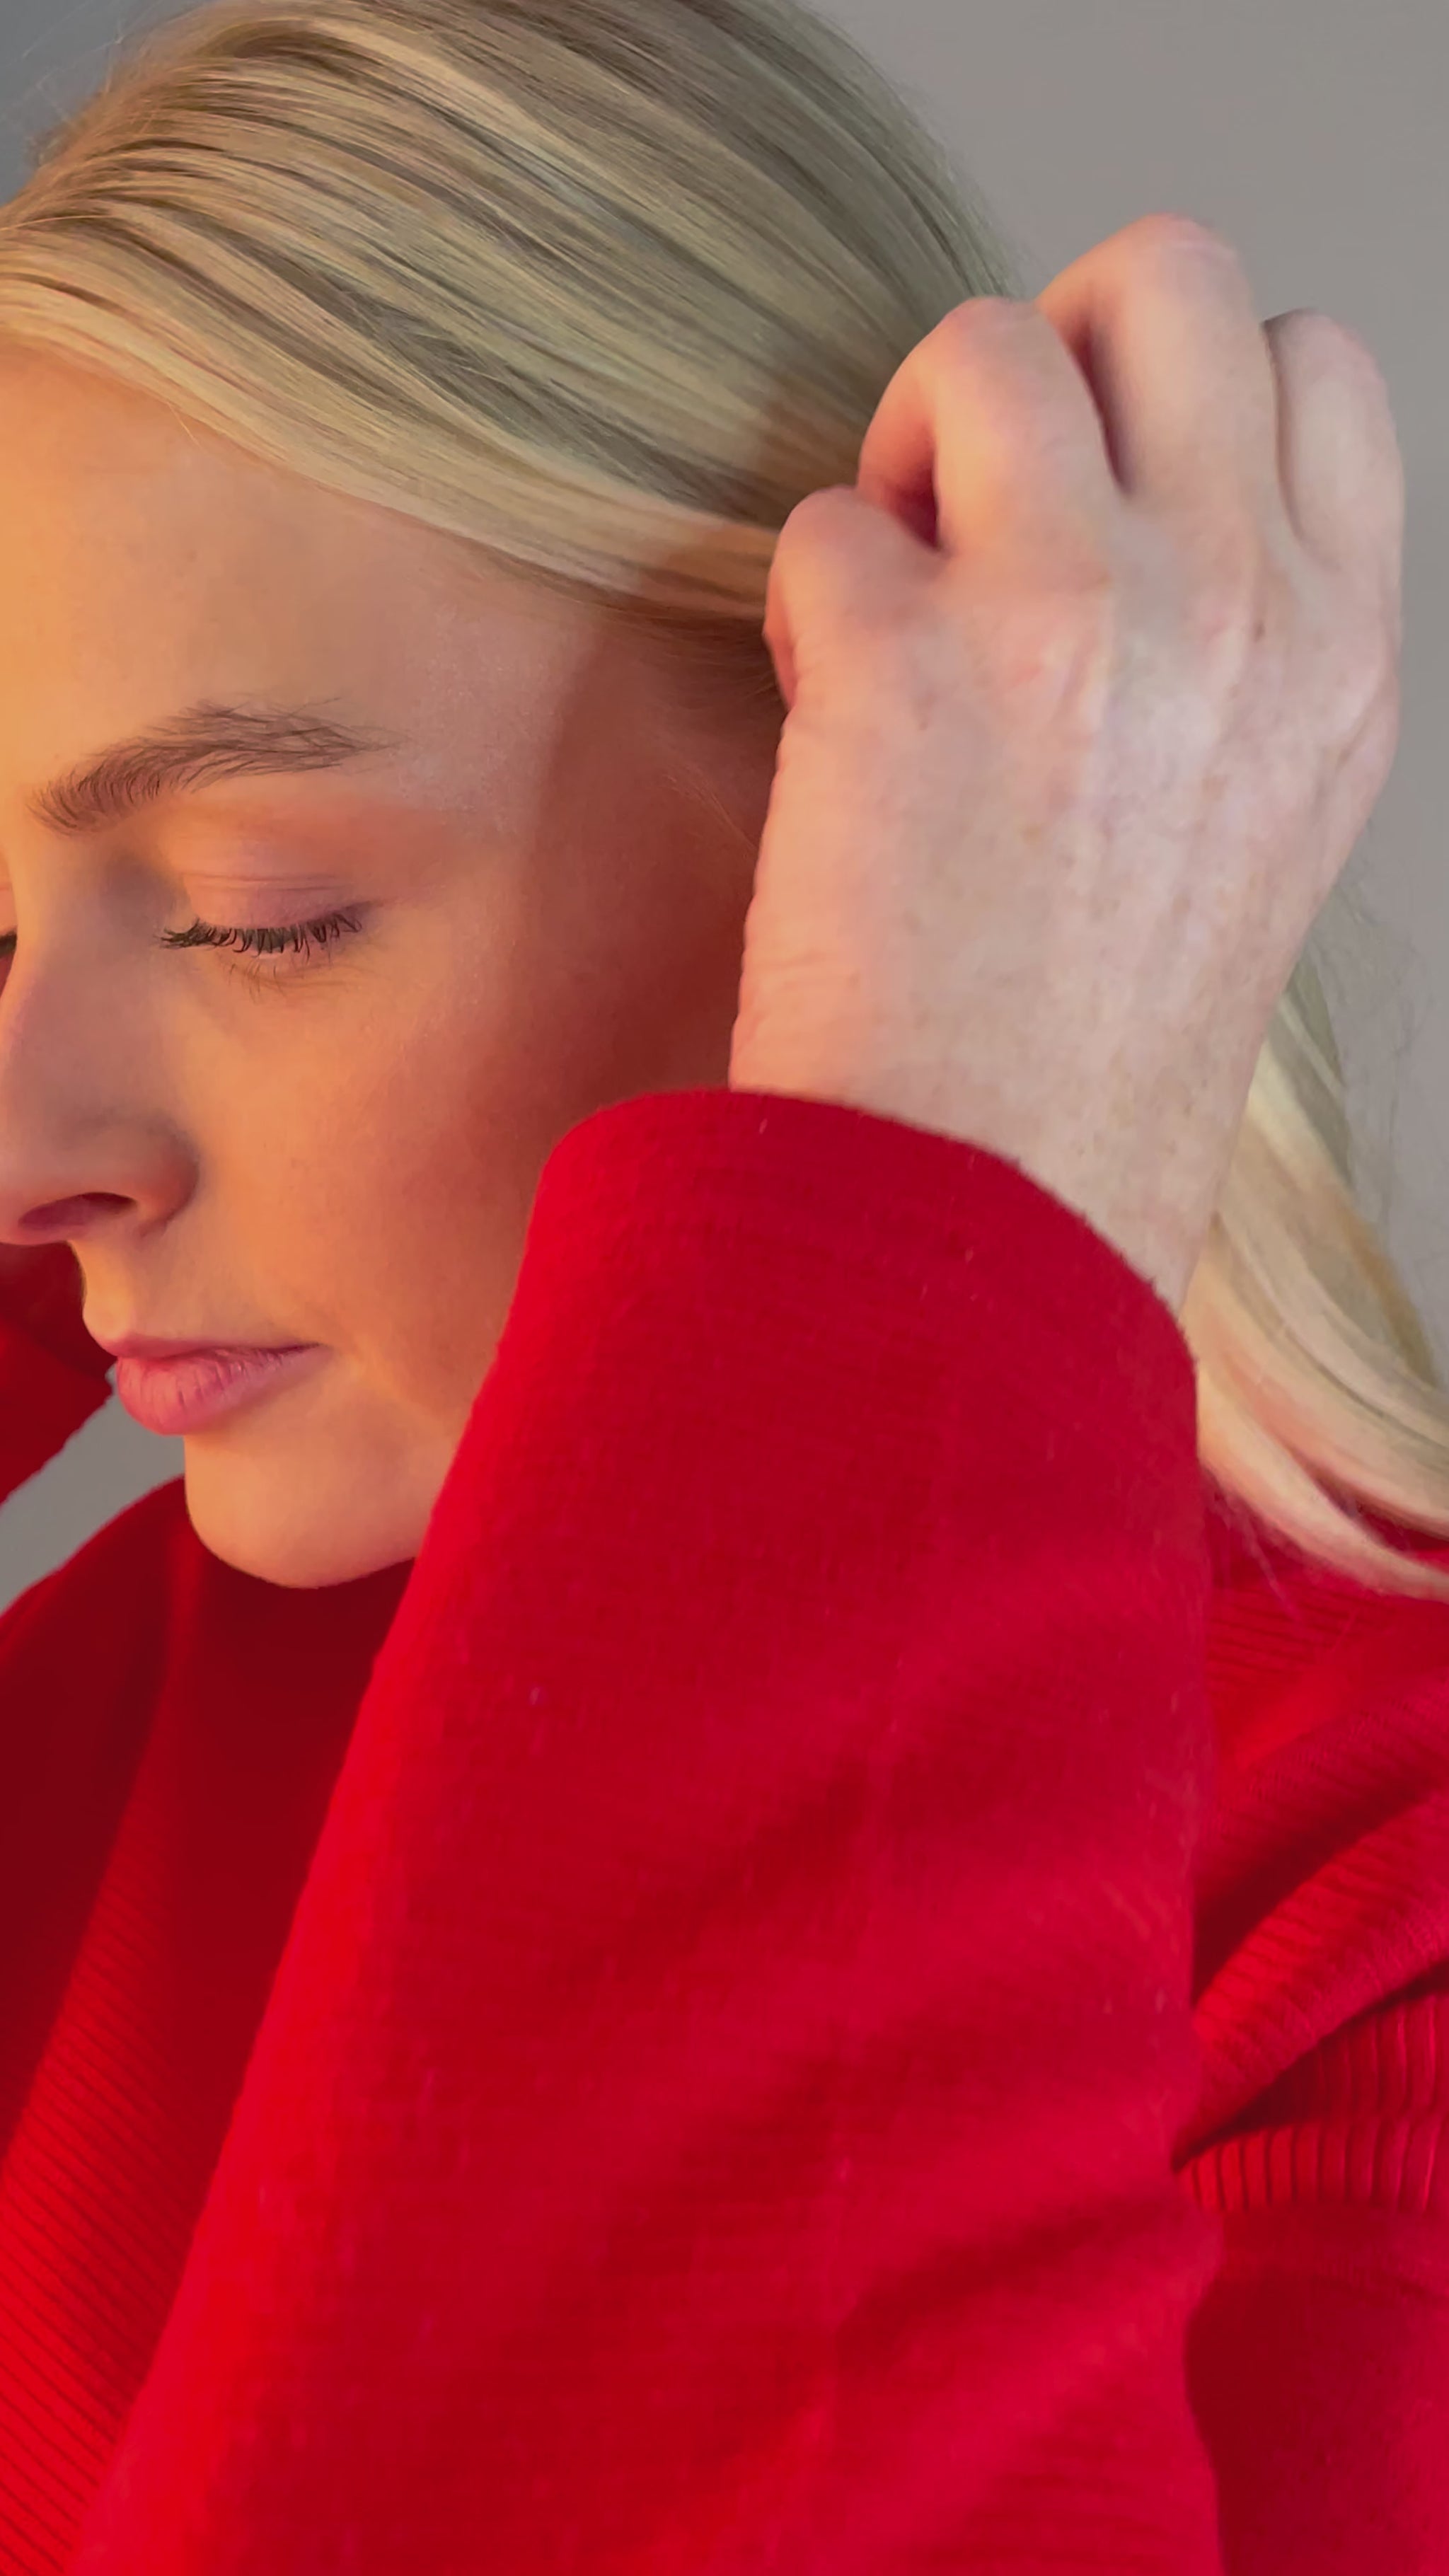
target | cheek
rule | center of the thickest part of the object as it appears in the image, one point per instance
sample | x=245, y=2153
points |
x=382, y=1166
x=395, y=1200
x=298, y=1152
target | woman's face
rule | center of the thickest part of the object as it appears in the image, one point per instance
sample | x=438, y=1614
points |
x=340, y=1149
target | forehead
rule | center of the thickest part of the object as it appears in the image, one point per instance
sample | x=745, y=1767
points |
x=100, y=484
x=150, y=564
x=149, y=567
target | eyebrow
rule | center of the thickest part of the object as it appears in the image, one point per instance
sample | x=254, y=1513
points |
x=192, y=750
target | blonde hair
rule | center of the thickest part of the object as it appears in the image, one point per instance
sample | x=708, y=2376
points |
x=604, y=288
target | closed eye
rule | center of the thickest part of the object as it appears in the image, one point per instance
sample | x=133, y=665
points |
x=299, y=937
x=296, y=938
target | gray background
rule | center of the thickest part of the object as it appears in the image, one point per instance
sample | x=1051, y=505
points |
x=1311, y=132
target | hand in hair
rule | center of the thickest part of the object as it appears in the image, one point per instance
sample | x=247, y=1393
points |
x=1093, y=682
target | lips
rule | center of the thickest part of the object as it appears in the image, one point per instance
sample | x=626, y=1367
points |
x=191, y=1388
x=144, y=1346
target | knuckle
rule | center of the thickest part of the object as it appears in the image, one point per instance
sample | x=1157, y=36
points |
x=808, y=544
x=814, y=517
x=979, y=316
x=1310, y=335
x=1169, y=235
x=1349, y=346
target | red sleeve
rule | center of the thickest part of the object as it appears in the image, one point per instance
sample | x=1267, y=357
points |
x=52, y=1375
x=716, y=2111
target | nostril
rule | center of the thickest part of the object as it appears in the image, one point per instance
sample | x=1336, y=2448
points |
x=62, y=1216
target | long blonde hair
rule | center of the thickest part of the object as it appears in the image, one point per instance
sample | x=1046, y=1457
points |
x=603, y=288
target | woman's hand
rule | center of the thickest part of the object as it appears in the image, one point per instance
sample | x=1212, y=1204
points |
x=1093, y=682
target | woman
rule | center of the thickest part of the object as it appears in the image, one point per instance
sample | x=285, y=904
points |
x=754, y=1875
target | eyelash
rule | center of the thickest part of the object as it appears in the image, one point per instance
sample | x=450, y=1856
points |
x=298, y=937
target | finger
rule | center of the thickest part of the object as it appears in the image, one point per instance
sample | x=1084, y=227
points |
x=986, y=435
x=1341, y=464
x=838, y=562
x=1162, y=323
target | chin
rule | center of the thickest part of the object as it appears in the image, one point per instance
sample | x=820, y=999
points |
x=282, y=1527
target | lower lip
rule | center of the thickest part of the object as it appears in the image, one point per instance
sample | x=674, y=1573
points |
x=179, y=1395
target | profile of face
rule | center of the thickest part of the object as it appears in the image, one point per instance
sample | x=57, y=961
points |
x=341, y=1145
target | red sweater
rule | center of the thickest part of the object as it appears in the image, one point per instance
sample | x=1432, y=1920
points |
x=847, y=1977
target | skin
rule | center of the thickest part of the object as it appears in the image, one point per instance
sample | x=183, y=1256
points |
x=552, y=876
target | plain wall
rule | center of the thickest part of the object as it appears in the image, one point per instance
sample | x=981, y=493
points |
x=1311, y=132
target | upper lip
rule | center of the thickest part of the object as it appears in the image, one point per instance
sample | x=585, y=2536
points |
x=142, y=1346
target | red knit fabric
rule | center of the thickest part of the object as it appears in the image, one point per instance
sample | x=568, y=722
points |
x=849, y=1976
